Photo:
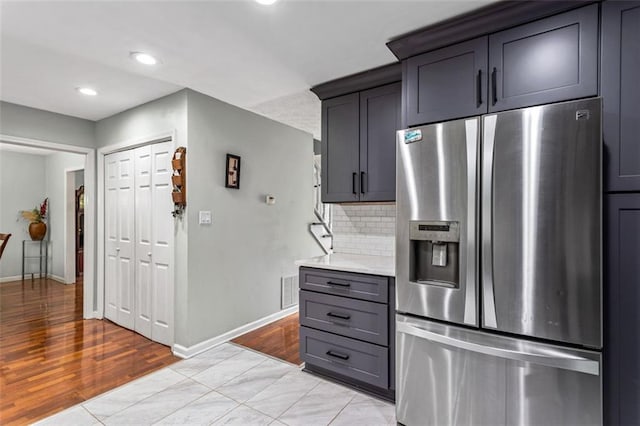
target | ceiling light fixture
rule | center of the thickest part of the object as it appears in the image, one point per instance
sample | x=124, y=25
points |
x=266, y=2
x=86, y=91
x=144, y=58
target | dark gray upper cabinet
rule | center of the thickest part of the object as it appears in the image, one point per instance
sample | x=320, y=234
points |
x=620, y=71
x=379, y=120
x=446, y=83
x=550, y=60
x=341, y=148
x=358, y=147
x=621, y=314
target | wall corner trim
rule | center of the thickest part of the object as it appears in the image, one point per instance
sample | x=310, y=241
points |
x=188, y=352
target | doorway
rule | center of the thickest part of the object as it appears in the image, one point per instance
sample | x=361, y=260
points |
x=58, y=219
x=74, y=225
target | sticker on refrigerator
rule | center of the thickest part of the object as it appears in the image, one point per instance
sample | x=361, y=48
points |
x=411, y=136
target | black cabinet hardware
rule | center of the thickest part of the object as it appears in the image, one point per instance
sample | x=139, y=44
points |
x=338, y=355
x=494, y=86
x=479, y=88
x=339, y=315
x=362, y=182
x=353, y=183
x=339, y=284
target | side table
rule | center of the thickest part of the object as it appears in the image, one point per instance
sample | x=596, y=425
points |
x=42, y=254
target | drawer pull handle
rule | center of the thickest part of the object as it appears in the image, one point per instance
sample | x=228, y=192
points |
x=338, y=315
x=337, y=355
x=339, y=284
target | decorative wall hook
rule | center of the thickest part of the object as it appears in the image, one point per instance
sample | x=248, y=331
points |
x=179, y=181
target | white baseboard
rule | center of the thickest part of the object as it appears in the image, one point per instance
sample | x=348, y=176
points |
x=187, y=352
x=57, y=278
x=91, y=315
x=28, y=277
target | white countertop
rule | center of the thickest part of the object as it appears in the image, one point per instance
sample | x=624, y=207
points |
x=365, y=264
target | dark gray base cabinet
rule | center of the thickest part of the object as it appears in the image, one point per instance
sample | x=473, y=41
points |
x=349, y=357
x=620, y=73
x=358, y=145
x=549, y=60
x=347, y=328
x=622, y=313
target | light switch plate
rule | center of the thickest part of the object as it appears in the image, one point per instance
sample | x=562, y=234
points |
x=204, y=218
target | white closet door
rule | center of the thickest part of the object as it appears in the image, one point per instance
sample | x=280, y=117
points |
x=154, y=242
x=162, y=243
x=144, y=213
x=111, y=237
x=139, y=234
x=119, y=224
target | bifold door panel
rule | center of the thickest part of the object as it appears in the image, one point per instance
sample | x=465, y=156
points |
x=139, y=241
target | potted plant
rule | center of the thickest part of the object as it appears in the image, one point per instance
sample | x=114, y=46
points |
x=36, y=218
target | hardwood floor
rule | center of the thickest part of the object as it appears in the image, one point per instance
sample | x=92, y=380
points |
x=52, y=359
x=278, y=339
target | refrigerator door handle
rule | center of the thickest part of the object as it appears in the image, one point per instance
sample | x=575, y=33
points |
x=488, y=296
x=556, y=360
x=471, y=283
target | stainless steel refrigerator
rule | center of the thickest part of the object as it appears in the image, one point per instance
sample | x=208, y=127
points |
x=498, y=269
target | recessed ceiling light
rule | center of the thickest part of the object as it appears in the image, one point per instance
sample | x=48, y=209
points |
x=86, y=91
x=144, y=58
x=267, y=2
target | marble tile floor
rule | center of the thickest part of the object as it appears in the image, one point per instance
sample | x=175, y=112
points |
x=229, y=385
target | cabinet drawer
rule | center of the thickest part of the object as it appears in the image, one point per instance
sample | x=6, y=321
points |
x=348, y=317
x=358, y=360
x=359, y=286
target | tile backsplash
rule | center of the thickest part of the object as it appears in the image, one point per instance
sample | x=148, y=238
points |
x=364, y=228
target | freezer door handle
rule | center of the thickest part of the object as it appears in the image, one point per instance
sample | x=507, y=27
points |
x=557, y=359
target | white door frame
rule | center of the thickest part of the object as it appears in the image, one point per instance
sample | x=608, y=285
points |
x=169, y=135
x=70, y=225
x=90, y=309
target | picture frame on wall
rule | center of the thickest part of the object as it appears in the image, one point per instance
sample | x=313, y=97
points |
x=232, y=177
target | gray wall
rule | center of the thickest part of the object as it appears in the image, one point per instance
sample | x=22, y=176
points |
x=235, y=264
x=79, y=178
x=56, y=166
x=21, y=121
x=22, y=187
x=228, y=273
x=39, y=176
x=164, y=114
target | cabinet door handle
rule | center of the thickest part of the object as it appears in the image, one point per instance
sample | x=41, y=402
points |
x=339, y=315
x=337, y=355
x=362, y=176
x=479, y=89
x=354, y=176
x=339, y=284
x=494, y=86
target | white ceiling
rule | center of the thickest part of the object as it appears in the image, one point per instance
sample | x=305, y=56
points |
x=234, y=50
